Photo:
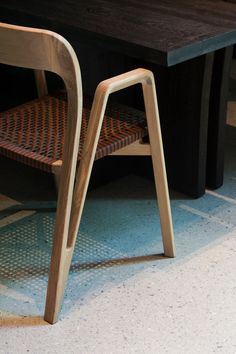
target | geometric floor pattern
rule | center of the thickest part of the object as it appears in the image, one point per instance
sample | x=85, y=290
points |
x=119, y=239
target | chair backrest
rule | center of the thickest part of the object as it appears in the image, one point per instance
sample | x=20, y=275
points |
x=45, y=50
x=39, y=49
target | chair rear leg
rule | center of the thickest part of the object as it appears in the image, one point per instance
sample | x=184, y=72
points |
x=163, y=204
x=57, y=176
x=41, y=82
x=158, y=162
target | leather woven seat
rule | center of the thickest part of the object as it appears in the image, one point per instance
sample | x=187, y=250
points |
x=33, y=133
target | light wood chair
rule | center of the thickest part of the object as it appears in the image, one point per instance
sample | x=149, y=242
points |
x=46, y=133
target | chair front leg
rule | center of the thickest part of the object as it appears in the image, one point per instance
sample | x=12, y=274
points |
x=66, y=230
x=67, y=225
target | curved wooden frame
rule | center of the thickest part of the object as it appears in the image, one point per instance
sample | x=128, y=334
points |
x=58, y=274
x=47, y=50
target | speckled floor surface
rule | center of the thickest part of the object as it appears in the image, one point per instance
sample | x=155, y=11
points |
x=121, y=296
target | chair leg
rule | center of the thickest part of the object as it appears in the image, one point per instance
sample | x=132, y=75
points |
x=66, y=227
x=41, y=82
x=158, y=162
x=164, y=206
x=63, y=248
x=58, y=275
x=57, y=176
x=65, y=238
x=67, y=223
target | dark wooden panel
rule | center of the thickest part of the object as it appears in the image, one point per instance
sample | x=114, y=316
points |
x=184, y=92
x=183, y=96
x=164, y=31
x=197, y=160
x=217, y=117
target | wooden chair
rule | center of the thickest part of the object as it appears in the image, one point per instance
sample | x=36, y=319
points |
x=51, y=133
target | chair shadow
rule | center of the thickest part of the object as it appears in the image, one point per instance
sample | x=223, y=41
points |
x=118, y=262
x=12, y=322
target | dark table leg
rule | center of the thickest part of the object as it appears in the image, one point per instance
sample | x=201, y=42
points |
x=183, y=96
x=192, y=100
x=184, y=100
x=217, y=117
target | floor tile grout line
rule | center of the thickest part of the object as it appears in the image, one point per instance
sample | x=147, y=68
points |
x=205, y=215
x=16, y=217
x=220, y=196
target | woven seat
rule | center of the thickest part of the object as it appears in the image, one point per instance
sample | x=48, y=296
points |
x=34, y=132
x=51, y=133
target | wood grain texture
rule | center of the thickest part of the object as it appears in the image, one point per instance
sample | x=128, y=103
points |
x=47, y=50
x=163, y=31
x=103, y=91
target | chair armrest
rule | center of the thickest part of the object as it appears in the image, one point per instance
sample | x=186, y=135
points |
x=103, y=90
x=111, y=85
x=122, y=81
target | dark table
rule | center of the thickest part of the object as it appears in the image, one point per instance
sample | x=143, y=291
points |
x=187, y=43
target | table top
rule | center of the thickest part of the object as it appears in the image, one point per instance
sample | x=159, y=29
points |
x=161, y=31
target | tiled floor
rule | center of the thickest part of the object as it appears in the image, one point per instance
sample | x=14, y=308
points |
x=121, y=297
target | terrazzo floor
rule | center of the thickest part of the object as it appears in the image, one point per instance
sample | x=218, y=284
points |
x=122, y=295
